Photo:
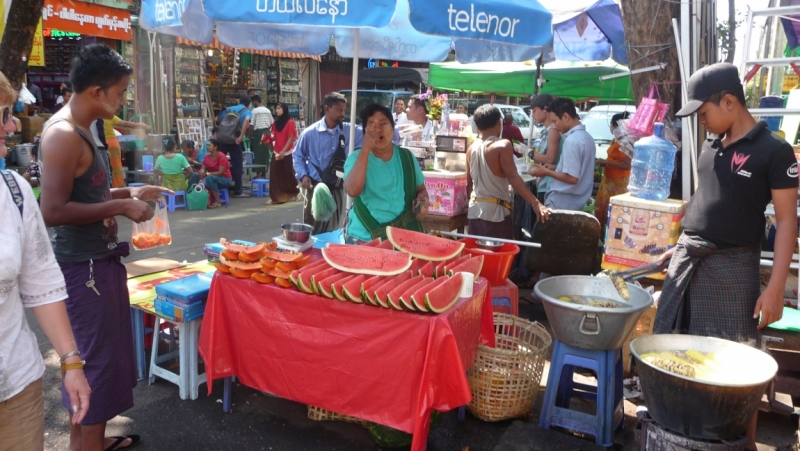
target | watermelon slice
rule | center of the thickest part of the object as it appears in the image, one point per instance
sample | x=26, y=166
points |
x=444, y=296
x=393, y=297
x=324, y=283
x=451, y=264
x=366, y=260
x=386, y=288
x=368, y=286
x=427, y=269
x=336, y=287
x=352, y=289
x=424, y=246
x=438, y=267
x=473, y=265
x=418, y=297
x=374, y=243
x=316, y=278
x=416, y=265
x=405, y=298
x=386, y=245
x=304, y=277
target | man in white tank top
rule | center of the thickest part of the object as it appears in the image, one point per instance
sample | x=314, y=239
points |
x=490, y=171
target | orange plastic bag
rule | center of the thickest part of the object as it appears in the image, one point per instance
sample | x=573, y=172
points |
x=154, y=232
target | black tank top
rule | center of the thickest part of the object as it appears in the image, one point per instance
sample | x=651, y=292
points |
x=95, y=240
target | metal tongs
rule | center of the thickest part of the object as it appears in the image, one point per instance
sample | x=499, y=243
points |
x=618, y=278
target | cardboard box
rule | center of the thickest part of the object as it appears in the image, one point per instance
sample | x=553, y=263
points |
x=447, y=192
x=640, y=230
x=177, y=313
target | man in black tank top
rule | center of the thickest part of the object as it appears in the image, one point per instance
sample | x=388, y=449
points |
x=78, y=203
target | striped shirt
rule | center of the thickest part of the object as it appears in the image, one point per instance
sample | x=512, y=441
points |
x=262, y=118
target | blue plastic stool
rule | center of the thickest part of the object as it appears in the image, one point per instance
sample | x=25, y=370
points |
x=259, y=187
x=172, y=202
x=223, y=196
x=561, y=388
x=133, y=185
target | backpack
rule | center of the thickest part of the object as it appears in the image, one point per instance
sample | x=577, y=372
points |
x=229, y=129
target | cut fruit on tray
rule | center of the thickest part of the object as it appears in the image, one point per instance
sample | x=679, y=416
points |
x=367, y=260
x=424, y=246
x=443, y=297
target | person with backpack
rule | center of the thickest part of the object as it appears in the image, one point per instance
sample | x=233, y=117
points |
x=233, y=123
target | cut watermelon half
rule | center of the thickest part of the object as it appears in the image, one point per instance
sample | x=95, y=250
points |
x=444, y=296
x=452, y=264
x=336, y=286
x=380, y=291
x=424, y=246
x=366, y=260
x=393, y=297
x=418, y=296
x=473, y=265
x=405, y=298
x=351, y=290
x=374, y=243
x=427, y=269
x=368, y=286
x=324, y=283
x=304, y=277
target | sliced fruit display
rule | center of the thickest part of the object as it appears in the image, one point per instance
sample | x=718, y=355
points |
x=229, y=254
x=283, y=283
x=243, y=273
x=267, y=263
x=374, y=243
x=424, y=246
x=286, y=266
x=405, y=297
x=305, y=261
x=236, y=264
x=277, y=273
x=352, y=289
x=325, y=286
x=283, y=256
x=240, y=247
x=386, y=245
x=254, y=257
x=393, y=297
x=222, y=268
x=260, y=277
x=382, y=290
x=427, y=269
x=444, y=296
x=304, y=276
x=366, y=260
x=473, y=265
x=416, y=264
x=418, y=297
x=439, y=266
x=368, y=286
x=338, y=293
x=318, y=277
x=451, y=264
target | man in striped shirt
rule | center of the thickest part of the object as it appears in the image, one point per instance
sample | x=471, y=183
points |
x=262, y=121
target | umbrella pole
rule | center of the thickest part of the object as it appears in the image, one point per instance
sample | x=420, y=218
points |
x=354, y=89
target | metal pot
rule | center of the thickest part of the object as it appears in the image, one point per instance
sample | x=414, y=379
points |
x=701, y=409
x=296, y=232
x=594, y=328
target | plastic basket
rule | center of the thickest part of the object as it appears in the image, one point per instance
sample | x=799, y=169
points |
x=504, y=380
x=643, y=327
x=496, y=264
x=320, y=414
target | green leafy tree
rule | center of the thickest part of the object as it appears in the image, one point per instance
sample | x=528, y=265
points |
x=726, y=33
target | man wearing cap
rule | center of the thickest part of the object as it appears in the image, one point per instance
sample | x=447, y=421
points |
x=549, y=150
x=713, y=285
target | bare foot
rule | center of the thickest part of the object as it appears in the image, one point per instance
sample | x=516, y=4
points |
x=215, y=205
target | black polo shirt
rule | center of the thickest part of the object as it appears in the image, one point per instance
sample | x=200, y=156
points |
x=734, y=187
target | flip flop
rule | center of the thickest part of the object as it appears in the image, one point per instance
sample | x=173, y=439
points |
x=241, y=196
x=118, y=440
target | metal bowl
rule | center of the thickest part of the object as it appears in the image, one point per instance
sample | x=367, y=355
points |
x=698, y=408
x=585, y=327
x=488, y=245
x=296, y=232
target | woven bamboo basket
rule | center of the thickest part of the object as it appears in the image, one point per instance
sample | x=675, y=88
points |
x=320, y=414
x=504, y=380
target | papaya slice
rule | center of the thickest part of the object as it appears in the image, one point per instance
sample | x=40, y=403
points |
x=288, y=256
x=243, y=273
x=278, y=274
x=236, y=247
x=247, y=266
x=267, y=263
x=286, y=266
x=138, y=242
x=260, y=277
x=229, y=254
x=284, y=283
x=271, y=246
x=164, y=240
x=303, y=261
x=222, y=268
x=245, y=257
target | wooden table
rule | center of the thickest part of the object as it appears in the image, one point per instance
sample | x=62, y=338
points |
x=445, y=223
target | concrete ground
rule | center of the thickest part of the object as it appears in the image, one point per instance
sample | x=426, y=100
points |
x=262, y=422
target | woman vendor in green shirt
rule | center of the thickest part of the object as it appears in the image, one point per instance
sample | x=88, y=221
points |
x=385, y=181
x=173, y=166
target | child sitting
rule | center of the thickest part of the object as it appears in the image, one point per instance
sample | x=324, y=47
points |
x=173, y=166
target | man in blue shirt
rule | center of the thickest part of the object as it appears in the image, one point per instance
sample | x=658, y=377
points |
x=572, y=180
x=235, y=149
x=314, y=151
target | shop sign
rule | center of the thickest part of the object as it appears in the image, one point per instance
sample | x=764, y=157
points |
x=790, y=81
x=87, y=19
x=372, y=63
x=52, y=33
x=36, y=58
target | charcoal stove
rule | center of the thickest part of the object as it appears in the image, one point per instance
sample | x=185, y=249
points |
x=650, y=436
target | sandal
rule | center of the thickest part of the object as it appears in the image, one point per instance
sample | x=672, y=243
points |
x=241, y=196
x=119, y=439
x=214, y=205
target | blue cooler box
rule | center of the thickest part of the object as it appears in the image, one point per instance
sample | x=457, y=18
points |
x=179, y=313
x=187, y=291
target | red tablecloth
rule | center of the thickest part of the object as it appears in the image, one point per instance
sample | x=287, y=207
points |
x=385, y=366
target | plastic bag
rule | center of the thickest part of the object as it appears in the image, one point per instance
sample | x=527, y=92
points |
x=197, y=197
x=25, y=96
x=155, y=232
x=649, y=111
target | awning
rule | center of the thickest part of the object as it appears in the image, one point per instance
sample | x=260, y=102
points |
x=215, y=44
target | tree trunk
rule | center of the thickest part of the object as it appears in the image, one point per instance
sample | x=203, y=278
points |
x=651, y=41
x=731, y=31
x=23, y=17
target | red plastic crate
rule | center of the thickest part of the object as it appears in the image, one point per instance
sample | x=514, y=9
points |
x=505, y=298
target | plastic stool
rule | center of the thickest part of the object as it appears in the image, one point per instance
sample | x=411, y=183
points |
x=223, y=196
x=561, y=389
x=187, y=379
x=132, y=185
x=172, y=203
x=259, y=187
x=505, y=298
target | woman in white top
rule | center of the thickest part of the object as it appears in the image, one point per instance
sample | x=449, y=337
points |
x=29, y=278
